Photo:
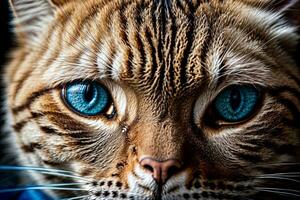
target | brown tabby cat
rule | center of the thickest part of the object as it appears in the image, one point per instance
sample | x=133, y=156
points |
x=157, y=99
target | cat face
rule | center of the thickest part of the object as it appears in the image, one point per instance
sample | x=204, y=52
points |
x=156, y=99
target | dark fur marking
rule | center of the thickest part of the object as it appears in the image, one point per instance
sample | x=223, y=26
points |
x=50, y=130
x=187, y=51
x=21, y=81
x=30, y=100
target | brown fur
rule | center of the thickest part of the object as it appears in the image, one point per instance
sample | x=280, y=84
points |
x=168, y=54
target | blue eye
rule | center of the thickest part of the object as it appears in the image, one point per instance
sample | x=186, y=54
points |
x=236, y=103
x=87, y=98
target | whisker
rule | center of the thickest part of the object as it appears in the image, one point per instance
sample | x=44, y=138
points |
x=74, y=198
x=40, y=188
x=66, y=175
x=279, y=178
x=278, y=164
x=284, y=173
x=9, y=167
x=60, y=184
x=56, y=172
x=46, y=186
x=278, y=189
x=282, y=193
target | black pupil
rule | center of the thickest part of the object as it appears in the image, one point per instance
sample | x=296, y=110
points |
x=235, y=99
x=89, y=93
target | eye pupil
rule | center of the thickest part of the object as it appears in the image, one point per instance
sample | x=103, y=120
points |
x=235, y=99
x=89, y=93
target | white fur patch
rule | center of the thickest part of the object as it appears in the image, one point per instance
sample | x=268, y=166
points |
x=102, y=58
x=117, y=65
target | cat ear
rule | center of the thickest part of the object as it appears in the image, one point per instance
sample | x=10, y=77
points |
x=30, y=17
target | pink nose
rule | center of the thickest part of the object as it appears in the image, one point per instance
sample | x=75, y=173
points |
x=160, y=170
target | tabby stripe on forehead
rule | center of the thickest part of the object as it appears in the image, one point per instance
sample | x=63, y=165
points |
x=168, y=35
x=123, y=21
x=186, y=53
x=171, y=70
x=55, y=48
x=125, y=38
x=79, y=22
x=205, y=49
x=110, y=57
x=95, y=48
x=128, y=63
x=77, y=34
x=160, y=49
x=136, y=47
x=138, y=44
x=148, y=36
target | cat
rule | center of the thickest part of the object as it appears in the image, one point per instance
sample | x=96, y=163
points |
x=156, y=99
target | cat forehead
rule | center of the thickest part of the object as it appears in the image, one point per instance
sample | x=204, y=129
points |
x=161, y=49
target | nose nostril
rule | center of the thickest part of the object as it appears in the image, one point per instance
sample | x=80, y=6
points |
x=160, y=170
x=149, y=168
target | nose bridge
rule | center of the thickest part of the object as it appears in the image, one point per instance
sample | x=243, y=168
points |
x=160, y=140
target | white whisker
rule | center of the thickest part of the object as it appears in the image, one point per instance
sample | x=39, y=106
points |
x=75, y=198
x=55, y=172
x=279, y=192
x=66, y=175
x=40, y=188
x=278, y=189
x=279, y=178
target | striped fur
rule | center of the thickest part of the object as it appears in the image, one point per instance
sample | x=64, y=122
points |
x=164, y=62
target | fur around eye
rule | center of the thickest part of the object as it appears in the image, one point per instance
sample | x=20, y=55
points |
x=236, y=103
x=87, y=98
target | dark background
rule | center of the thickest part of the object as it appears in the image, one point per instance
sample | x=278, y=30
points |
x=7, y=178
x=5, y=39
